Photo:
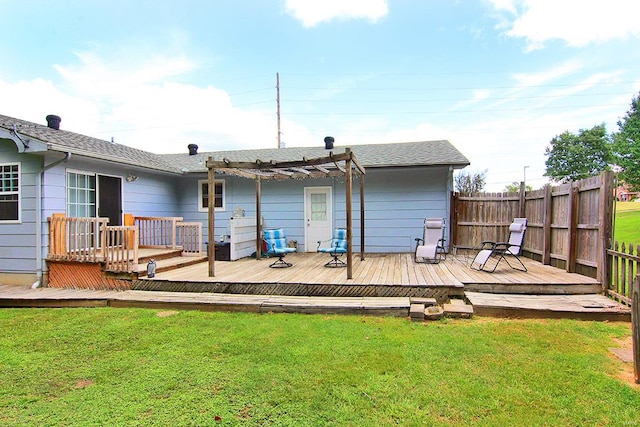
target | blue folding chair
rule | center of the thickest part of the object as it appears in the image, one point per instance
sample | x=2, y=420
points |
x=277, y=246
x=337, y=247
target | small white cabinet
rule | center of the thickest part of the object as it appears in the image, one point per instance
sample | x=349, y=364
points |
x=242, y=237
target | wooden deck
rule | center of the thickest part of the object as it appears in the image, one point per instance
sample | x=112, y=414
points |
x=377, y=275
x=382, y=284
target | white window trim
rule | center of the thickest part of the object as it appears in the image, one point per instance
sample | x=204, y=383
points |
x=224, y=195
x=19, y=220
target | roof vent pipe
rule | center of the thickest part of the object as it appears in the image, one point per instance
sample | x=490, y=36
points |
x=328, y=143
x=53, y=121
x=193, y=149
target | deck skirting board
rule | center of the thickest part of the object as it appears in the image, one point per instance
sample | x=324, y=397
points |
x=440, y=293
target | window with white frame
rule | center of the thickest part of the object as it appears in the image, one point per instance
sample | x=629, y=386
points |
x=203, y=195
x=81, y=194
x=9, y=192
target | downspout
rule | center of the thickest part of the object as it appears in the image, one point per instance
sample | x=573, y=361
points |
x=39, y=184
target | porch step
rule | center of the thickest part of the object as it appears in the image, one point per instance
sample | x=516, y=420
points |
x=581, y=307
x=377, y=306
x=158, y=254
x=535, y=288
x=168, y=263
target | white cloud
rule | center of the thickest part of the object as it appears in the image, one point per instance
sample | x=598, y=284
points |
x=138, y=105
x=577, y=22
x=313, y=12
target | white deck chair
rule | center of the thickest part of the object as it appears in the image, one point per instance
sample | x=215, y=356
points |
x=430, y=249
x=498, y=251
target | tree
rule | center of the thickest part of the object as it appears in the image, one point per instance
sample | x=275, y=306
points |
x=514, y=187
x=573, y=157
x=470, y=182
x=626, y=146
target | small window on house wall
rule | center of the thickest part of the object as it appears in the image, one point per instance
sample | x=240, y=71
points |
x=9, y=192
x=203, y=195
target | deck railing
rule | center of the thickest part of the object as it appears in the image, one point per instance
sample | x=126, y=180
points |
x=120, y=248
x=623, y=261
x=91, y=240
x=157, y=232
x=76, y=239
x=169, y=232
x=189, y=237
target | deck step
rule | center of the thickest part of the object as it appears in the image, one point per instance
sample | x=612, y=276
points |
x=536, y=288
x=377, y=306
x=171, y=263
x=159, y=254
x=581, y=307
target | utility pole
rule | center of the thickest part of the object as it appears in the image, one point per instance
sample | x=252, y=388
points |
x=278, y=106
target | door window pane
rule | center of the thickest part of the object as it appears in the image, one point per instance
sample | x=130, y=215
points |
x=319, y=207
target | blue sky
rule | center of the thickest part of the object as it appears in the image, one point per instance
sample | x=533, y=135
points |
x=497, y=78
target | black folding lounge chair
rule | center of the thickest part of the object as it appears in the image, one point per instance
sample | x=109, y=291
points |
x=491, y=253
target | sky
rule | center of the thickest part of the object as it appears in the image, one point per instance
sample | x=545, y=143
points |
x=497, y=78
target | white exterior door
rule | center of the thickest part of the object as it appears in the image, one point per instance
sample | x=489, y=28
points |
x=318, y=212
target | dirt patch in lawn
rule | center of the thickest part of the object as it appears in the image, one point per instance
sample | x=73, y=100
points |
x=624, y=352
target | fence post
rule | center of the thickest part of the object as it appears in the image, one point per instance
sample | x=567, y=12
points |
x=605, y=224
x=572, y=228
x=522, y=207
x=635, y=327
x=548, y=212
x=453, y=223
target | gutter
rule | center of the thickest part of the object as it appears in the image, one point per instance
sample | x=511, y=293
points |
x=39, y=184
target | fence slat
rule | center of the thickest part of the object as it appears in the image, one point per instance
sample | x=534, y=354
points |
x=635, y=327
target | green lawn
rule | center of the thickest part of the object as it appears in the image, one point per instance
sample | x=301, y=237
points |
x=95, y=367
x=627, y=226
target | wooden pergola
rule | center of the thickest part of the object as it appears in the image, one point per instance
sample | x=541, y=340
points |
x=334, y=165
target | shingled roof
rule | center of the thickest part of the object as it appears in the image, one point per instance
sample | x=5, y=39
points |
x=423, y=153
x=82, y=145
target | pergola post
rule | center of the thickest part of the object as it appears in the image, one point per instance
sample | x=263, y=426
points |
x=258, y=222
x=361, y=217
x=211, y=247
x=347, y=166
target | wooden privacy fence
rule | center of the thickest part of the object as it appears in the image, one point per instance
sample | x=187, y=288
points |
x=569, y=225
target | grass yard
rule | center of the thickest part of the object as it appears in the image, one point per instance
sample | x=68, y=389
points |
x=101, y=367
x=627, y=226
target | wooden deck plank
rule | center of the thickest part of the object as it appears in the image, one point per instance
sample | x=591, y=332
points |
x=19, y=296
x=584, y=307
x=376, y=269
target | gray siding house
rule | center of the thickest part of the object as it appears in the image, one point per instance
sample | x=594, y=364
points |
x=45, y=170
